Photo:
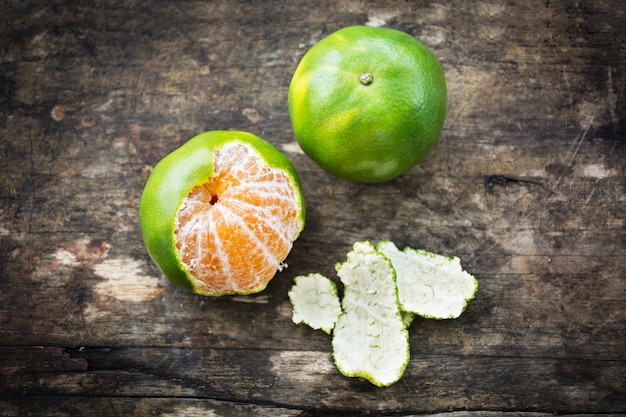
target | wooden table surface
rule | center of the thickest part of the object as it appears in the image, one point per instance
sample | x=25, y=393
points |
x=526, y=186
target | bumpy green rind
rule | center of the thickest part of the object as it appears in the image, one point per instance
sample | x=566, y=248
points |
x=174, y=177
x=400, y=113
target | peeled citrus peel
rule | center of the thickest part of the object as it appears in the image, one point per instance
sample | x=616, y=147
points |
x=407, y=318
x=384, y=288
x=430, y=285
x=315, y=302
x=370, y=339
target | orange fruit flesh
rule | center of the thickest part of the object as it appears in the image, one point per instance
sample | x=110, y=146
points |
x=234, y=231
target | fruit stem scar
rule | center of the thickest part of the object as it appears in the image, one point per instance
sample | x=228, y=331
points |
x=366, y=78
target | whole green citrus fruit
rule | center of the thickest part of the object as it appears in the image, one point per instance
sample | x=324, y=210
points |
x=367, y=104
x=219, y=215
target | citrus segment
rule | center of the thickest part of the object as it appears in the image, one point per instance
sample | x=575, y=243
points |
x=220, y=214
x=367, y=104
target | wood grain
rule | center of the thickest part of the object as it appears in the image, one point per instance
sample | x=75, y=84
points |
x=526, y=185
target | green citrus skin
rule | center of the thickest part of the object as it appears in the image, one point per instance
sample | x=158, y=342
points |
x=367, y=104
x=175, y=176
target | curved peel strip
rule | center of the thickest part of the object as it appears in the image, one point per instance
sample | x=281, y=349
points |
x=430, y=285
x=315, y=302
x=370, y=339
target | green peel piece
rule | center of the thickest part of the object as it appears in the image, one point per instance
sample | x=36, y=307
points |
x=430, y=285
x=315, y=302
x=407, y=318
x=370, y=339
x=384, y=289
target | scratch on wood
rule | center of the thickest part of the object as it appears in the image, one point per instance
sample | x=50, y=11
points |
x=571, y=154
x=612, y=99
x=593, y=190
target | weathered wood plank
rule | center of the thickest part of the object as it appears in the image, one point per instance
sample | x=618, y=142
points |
x=186, y=407
x=271, y=377
x=515, y=313
x=526, y=186
x=125, y=406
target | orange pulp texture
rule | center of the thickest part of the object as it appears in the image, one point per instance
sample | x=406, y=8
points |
x=234, y=231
